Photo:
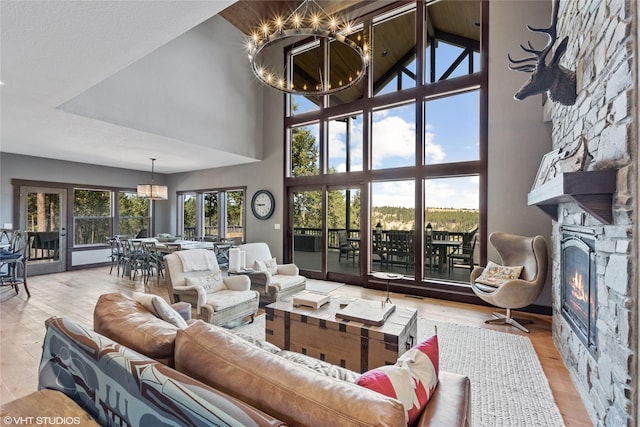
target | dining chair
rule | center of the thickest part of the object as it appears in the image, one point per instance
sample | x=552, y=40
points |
x=380, y=248
x=345, y=247
x=153, y=260
x=428, y=250
x=116, y=255
x=13, y=262
x=462, y=256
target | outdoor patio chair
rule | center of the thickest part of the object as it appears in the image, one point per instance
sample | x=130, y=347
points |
x=345, y=247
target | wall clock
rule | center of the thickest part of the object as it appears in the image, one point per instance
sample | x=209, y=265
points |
x=263, y=204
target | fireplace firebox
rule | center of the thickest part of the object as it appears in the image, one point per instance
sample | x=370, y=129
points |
x=578, y=292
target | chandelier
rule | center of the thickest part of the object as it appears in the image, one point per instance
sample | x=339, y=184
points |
x=308, y=23
x=152, y=191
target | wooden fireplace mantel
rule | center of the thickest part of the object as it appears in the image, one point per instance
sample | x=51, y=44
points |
x=592, y=191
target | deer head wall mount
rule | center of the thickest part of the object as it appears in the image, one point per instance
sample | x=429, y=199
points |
x=553, y=78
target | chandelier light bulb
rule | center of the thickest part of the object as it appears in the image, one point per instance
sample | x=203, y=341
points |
x=315, y=21
x=279, y=24
x=333, y=24
x=308, y=20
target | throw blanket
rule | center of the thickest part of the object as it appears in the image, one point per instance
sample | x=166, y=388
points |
x=197, y=260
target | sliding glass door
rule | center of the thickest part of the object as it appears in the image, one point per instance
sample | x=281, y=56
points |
x=307, y=211
x=343, y=228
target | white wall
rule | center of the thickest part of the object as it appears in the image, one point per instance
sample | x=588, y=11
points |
x=266, y=174
x=518, y=137
x=196, y=88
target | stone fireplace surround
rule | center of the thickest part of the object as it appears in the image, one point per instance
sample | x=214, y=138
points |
x=603, y=50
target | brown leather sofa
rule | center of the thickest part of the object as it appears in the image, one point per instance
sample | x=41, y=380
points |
x=278, y=383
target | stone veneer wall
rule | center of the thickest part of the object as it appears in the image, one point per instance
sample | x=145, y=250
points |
x=603, y=51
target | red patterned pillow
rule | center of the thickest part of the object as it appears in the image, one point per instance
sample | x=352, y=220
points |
x=412, y=380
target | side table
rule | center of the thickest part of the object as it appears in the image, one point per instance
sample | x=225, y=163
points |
x=388, y=277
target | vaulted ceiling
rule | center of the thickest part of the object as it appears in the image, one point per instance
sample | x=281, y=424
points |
x=57, y=58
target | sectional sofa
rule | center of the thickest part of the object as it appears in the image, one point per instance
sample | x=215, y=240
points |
x=137, y=369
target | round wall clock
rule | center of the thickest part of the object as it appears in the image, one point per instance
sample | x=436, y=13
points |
x=263, y=204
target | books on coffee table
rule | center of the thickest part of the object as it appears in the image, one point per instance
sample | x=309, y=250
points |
x=370, y=312
x=310, y=299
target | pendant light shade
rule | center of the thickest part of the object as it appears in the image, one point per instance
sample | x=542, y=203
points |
x=152, y=191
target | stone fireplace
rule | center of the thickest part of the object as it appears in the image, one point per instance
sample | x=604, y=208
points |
x=595, y=265
x=578, y=296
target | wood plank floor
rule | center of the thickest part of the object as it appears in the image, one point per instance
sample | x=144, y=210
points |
x=74, y=294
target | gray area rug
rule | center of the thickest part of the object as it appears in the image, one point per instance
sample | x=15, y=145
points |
x=508, y=386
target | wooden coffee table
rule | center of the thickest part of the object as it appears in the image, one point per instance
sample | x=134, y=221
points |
x=348, y=343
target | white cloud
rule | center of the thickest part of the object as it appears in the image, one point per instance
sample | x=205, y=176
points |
x=457, y=193
x=433, y=152
x=394, y=193
x=392, y=136
x=337, y=146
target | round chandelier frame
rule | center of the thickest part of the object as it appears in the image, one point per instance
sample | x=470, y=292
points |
x=321, y=26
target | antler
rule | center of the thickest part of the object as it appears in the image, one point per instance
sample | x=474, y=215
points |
x=530, y=64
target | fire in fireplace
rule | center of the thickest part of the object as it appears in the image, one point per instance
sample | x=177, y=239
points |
x=578, y=293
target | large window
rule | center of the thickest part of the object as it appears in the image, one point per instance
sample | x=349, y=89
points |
x=393, y=137
x=212, y=214
x=394, y=56
x=99, y=214
x=92, y=216
x=305, y=154
x=345, y=144
x=409, y=144
x=134, y=215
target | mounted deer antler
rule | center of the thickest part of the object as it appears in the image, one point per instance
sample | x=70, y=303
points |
x=553, y=77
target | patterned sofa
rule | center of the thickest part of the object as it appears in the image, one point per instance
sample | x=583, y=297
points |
x=118, y=386
x=220, y=377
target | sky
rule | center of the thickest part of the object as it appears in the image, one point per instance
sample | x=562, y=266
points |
x=451, y=135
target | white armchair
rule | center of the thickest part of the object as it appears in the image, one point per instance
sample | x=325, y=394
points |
x=273, y=281
x=194, y=276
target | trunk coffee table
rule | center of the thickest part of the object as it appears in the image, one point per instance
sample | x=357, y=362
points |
x=351, y=344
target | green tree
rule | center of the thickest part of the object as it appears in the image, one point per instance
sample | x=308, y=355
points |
x=304, y=162
x=304, y=153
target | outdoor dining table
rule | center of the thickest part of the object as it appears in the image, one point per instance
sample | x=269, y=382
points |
x=442, y=247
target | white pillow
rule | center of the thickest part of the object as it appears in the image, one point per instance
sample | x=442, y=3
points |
x=211, y=283
x=496, y=274
x=260, y=266
x=160, y=308
x=272, y=266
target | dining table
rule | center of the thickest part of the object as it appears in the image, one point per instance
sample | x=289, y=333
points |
x=162, y=245
x=442, y=248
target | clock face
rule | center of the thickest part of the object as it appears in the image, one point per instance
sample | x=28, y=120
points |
x=263, y=204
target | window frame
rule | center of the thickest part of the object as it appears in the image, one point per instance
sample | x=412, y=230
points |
x=222, y=226
x=420, y=171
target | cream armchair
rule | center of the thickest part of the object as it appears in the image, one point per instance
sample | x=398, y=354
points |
x=530, y=253
x=273, y=281
x=194, y=276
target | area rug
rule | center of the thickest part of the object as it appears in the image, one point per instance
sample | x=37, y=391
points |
x=322, y=286
x=508, y=386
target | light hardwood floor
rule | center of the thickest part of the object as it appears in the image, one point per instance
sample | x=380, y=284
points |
x=74, y=294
